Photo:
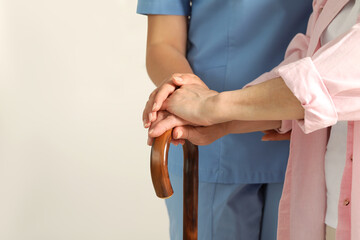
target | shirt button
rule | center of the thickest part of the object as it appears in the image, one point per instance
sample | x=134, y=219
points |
x=351, y=158
x=346, y=202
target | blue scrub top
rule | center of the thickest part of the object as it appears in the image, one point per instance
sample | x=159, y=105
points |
x=231, y=43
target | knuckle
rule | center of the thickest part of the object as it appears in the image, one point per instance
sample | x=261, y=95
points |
x=144, y=113
x=171, y=117
x=161, y=114
x=175, y=75
x=152, y=95
x=186, y=134
x=180, y=90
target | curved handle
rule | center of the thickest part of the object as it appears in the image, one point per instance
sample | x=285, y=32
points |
x=162, y=185
x=159, y=165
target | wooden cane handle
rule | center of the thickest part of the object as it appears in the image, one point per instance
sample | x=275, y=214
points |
x=159, y=165
x=162, y=185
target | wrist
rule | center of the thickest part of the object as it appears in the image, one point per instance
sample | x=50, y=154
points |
x=211, y=110
x=227, y=127
x=223, y=108
x=238, y=126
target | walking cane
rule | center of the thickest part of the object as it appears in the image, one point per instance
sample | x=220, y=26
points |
x=162, y=185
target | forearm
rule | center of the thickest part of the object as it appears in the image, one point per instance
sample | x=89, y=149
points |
x=271, y=100
x=207, y=135
x=163, y=60
x=166, y=47
x=250, y=126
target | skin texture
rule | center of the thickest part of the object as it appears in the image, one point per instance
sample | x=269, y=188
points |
x=270, y=100
x=194, y=102
x=165, y=56
x=204, y=135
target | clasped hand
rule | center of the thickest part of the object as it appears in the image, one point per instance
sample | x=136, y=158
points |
x=184, y=103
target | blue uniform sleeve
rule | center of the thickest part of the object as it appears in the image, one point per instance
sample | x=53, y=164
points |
x=164, y=7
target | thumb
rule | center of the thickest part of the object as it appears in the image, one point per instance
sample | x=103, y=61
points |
x=186, y=79
x=192, y=134
x=182, y=132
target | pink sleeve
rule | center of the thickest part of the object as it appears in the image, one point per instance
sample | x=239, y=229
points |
x=328, y=84
x=298, y=47
x=296, y=50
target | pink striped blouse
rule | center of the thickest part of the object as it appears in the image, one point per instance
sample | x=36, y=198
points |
x=326, y=80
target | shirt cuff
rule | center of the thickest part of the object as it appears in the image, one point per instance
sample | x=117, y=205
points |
x=303, y=79
x=286, y=126
x=148, y=7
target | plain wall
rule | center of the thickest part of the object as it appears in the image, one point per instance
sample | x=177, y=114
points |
x=74, y=163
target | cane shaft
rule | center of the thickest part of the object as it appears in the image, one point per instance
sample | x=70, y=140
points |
x=191, y=185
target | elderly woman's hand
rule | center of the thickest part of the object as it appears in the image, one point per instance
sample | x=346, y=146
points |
x=183, y=129
x=193, y=103
x=165, y=121
x=160, y=94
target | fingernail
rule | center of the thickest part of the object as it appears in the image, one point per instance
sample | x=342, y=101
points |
x=179, y=79
x=150, y=117
x=178, y=135
x=147, y=125
x=154, y=107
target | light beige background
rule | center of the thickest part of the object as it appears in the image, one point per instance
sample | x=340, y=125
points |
x=73, y=157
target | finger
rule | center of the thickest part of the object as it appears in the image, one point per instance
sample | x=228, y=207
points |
x=196, y=135
x=178, y=141
x=182, y=132
x=152, y=117
x=148, y=109
x=145, y=117
x=176, y=137
x=150, y=141
x=185, y=79
x=161, y=116
x=165, y=105
x=173, y=141
x=163, y=93
x=275, y=136
x=165, y=124
x=269, y=135
x=191, y=134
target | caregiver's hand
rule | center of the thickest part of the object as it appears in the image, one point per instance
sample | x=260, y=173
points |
x=160, y=94
x=198, y=135
x=165, y=89
x=165, y=121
